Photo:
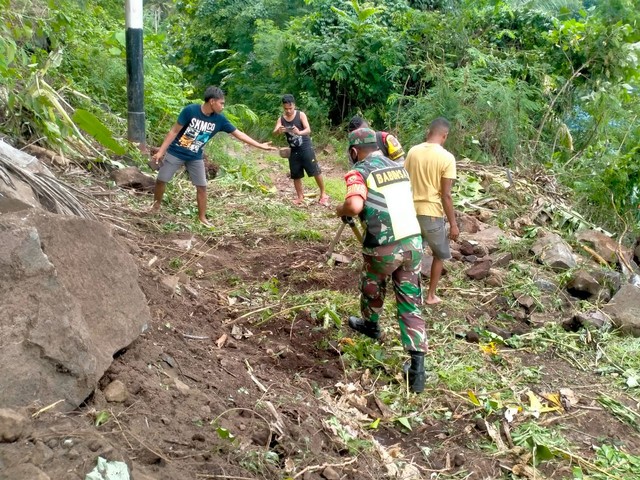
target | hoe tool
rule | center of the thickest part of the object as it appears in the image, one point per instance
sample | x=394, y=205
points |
x=335, y=257
x=352, y=223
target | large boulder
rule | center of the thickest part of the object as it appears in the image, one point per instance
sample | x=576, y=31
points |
x=554, y=252
x=69, y=300
x=624, y=309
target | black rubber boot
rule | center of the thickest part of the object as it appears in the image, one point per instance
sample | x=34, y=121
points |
x=370, y=329
x=414, y=369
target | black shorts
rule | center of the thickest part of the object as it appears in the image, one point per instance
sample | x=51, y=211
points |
x=301, y=161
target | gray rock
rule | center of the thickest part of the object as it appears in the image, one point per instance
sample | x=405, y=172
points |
x=330, y=474
x=554, y=252
x=495, y=278
x=610, y=279
x=539, y=320
x=545, y=285
x=170, y=282
x=16, y=196
x=502, y=259
x=12, y=425
x=479, y=270
x=65, y=310
x=182, y=387
x=132, y=177
x=469, y=224
x=23, y=160
x=489, y=238
x=526, y=301
x=116, y=392
x=583, y=285
x=466, y=248
x=624, y=309
x=591, y=319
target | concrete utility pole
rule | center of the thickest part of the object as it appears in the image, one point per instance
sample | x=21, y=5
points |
x=135, y=74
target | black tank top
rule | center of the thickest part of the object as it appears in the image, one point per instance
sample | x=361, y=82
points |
x=296, y=141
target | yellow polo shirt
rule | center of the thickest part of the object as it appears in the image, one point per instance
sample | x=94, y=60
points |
x=428, y=164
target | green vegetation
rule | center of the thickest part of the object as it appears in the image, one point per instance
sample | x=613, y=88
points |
x=524, y=83
x=544, y=87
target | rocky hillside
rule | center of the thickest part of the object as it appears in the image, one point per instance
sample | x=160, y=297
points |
x=150, y=348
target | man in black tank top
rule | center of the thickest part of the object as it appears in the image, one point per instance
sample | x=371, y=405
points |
x=295, y=126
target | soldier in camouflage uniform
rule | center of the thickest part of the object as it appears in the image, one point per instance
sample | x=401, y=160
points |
x=379, y=192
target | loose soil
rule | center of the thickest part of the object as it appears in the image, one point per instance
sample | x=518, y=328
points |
x=215, y=391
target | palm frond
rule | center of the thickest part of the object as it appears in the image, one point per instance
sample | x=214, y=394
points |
x=53, y=194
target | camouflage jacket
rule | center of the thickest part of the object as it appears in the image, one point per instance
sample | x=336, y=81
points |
x=388, y=214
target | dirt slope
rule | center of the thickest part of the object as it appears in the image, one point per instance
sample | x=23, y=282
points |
x=228, y=384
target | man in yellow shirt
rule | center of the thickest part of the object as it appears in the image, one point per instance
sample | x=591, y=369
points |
x=432, y=170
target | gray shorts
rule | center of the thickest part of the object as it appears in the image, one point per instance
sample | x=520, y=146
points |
x=171, y=164
x=434, y=234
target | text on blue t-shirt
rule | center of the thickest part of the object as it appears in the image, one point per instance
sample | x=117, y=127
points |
x=197, y=130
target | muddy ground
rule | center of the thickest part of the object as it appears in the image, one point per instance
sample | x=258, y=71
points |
x=217, y=388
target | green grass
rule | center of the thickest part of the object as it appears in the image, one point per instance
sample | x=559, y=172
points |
x=621, y=351
x=335, y=188
x=241, y=201
x=610, y=460
x=519, y=248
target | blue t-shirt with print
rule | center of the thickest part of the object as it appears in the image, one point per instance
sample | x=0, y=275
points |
x=197, y=130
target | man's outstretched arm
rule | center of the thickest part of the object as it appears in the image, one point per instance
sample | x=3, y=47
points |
x=250, y=141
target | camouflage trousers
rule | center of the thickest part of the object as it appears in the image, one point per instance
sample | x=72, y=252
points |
x=404, y=269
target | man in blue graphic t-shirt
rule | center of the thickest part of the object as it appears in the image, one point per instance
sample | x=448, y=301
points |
x=184, y=143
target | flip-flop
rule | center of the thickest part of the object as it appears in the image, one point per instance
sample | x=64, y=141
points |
x=205, y=225
x=324, y=201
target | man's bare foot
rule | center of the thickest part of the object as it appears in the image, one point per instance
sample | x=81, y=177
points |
x=324, y=200
x=205, y=222
x=298, y=201
x=155, y=208
x=433, y=300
